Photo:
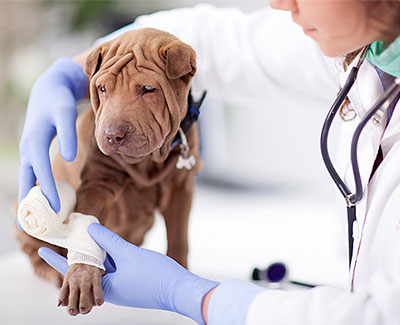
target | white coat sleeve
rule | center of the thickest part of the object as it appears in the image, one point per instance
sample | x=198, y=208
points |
x=237, y=302
x=246, y=58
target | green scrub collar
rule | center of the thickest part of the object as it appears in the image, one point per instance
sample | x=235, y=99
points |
x=386, y=58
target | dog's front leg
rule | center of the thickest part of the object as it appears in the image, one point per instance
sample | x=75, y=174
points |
x=176, y=215
x=102, y=181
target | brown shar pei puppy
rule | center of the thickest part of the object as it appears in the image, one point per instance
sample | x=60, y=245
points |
x=125, y=170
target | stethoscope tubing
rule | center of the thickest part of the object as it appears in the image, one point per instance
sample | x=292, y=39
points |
x=325, y=132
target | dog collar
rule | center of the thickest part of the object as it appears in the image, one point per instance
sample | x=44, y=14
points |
x=192, y=115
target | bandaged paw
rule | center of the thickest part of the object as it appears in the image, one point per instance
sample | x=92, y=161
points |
x=64, y=229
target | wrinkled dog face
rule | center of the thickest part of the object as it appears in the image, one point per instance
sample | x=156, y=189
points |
x=139, y=85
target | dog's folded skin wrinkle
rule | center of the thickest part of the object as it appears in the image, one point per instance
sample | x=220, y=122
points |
x=124, y=190
x=156, y=129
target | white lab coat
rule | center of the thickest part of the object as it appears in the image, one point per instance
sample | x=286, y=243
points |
x=248, y=59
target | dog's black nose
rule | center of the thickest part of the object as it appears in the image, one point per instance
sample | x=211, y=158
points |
x=115, y=136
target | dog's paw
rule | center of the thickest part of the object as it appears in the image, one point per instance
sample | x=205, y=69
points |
x=81, y=290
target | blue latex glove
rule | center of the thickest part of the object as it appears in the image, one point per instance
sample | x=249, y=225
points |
x=51, y=110
x=138, y=277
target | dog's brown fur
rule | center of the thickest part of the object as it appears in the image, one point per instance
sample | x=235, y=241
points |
x=124, y=171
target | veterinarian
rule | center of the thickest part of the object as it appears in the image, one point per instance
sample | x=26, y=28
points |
x=244, y=56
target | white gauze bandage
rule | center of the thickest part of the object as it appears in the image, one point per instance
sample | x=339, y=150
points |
x=63, y=229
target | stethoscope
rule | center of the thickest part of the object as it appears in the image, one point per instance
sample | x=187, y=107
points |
x=376, y=113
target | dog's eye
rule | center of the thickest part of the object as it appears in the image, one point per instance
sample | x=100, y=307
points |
x=102, y=89
x=148, y=89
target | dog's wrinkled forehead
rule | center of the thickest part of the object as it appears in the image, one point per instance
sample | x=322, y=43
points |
x=150, y=48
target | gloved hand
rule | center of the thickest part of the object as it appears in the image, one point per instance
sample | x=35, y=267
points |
x=51, y=110
x=141, y=277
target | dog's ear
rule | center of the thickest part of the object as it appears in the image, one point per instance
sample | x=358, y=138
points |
x=94, y=60
x=180, y=60
x=93, y=65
